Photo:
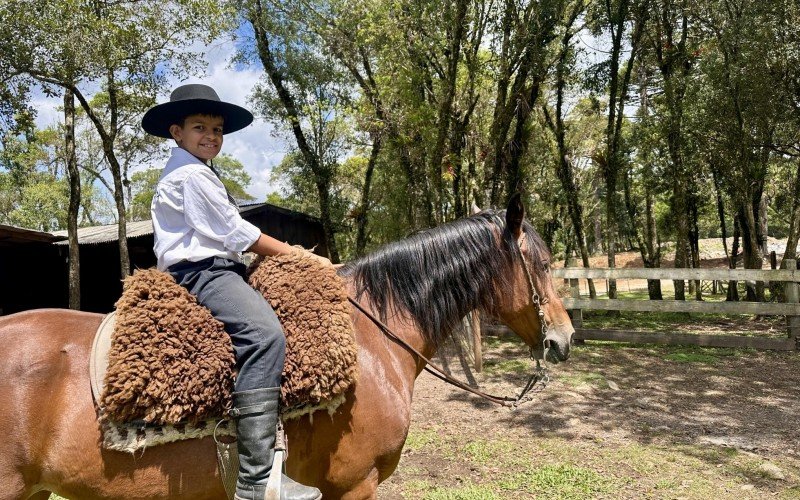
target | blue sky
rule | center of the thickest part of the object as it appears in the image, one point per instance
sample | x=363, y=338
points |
x=257, y=146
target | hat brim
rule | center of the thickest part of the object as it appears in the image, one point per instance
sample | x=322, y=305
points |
x=159, y=118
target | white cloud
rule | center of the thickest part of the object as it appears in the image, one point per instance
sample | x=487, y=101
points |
x=256, y=147
x=47, y=112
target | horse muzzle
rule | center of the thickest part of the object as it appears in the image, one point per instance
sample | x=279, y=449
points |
x=556, y=347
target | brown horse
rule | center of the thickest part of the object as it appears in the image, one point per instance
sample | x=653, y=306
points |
x=420, y=286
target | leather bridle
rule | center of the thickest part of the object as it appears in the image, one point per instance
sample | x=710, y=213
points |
x=537, y=381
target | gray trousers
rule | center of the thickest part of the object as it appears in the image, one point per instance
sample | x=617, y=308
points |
x=259, y=344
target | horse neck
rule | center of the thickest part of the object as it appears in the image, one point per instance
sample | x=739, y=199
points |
x=402, y=324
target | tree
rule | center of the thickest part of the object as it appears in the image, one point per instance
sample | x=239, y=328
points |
x=615, y=17
x=565, y=170
x=668, y=33
x=135, y=45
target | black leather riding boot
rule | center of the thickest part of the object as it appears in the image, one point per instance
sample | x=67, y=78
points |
x=256, y=414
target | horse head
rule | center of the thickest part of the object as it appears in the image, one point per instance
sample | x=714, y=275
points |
x=532, y=309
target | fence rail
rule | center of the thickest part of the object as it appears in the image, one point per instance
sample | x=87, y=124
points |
x=790, y=308
x=680, y=274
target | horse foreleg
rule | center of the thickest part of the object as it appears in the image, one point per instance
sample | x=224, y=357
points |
x=365, y=490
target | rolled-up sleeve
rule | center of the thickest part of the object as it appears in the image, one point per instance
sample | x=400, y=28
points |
x=208, y=211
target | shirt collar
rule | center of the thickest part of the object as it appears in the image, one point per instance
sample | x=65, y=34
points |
x=180, y=157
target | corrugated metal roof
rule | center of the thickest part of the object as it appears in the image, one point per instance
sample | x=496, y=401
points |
x=104, y=234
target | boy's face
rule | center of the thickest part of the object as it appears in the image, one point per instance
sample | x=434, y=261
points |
x=200, y=135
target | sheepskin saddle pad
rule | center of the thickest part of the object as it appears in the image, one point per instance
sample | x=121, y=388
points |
x=170, y=363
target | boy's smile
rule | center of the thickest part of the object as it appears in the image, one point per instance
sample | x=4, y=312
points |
x=200, y=135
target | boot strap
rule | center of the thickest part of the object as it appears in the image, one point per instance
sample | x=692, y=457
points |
x=248, y=410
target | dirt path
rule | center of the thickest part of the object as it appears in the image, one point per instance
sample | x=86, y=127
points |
x=615, y=422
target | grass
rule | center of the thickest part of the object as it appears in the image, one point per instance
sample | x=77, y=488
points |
x=582, y=378
x=519, y=366
x=692, y=358
x=668, y=321
x=418, y=439
x=517, y=466
x=485, y=452
x=426, y=491
x=561, y=480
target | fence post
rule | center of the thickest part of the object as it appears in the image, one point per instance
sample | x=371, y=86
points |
x=575, y=292
x=792, y=296
x=475, y=322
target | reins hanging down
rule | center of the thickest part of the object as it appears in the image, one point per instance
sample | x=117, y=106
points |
x=540, y=375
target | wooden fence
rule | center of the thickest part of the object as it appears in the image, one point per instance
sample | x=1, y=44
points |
x=790, y=308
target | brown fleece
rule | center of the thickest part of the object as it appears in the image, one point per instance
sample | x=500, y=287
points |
x=311, y=302
x=172, y=362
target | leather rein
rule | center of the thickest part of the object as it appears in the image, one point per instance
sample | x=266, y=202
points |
x=538, y=380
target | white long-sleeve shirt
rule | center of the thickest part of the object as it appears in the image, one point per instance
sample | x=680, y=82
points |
x=192, y=216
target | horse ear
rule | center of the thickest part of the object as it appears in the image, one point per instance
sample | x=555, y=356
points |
x=474, y=209
x=515, y=213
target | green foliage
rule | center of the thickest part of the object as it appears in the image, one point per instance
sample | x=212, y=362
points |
x=143, y=187
x=720, y=107
x=692, y=358
x=33, y=190
x=233, y=176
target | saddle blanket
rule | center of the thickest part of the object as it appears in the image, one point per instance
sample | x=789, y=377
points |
x=162, y=367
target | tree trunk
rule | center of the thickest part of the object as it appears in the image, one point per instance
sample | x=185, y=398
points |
x=733, y=287
x=794, y=221
x=694, y=247
x=675, y=66
x=322, y=173
x=456, y=32
x=653, y=246
x=122, y=218
x=500, y=116
x=564, y=167
x=752, y=250
x=363, y=211
x=721, y=210
x=74, y=201
x=107, y=138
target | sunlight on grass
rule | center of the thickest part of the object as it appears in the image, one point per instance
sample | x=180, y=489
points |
x=692, y=358
x=581, y=378
x=507, y=366
x=468, y=492
x=423, y=489
x=561, y=481
x=419, y=439
x=486, y=452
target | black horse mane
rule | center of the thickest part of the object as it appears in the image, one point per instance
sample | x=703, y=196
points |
x=440, y=274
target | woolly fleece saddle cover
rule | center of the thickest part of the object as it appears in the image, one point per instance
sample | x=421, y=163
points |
x=170, y=362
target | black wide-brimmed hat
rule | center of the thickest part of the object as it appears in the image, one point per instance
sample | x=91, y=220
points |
x=192, y=99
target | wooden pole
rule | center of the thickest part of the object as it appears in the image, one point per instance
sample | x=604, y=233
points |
x=475, y=322
x=792, y=295
x=575, y=292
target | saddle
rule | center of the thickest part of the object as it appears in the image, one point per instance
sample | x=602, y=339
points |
x=162, y=367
